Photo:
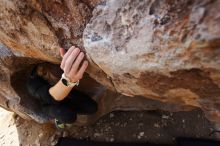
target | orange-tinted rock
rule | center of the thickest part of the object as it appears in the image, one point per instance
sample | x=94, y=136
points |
x=162, y=50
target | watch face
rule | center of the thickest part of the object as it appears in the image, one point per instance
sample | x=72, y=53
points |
x=64, y=81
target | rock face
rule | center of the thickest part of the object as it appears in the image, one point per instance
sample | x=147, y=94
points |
x=162, y=50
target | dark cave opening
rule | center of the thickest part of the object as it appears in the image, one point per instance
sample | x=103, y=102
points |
x=51, y=73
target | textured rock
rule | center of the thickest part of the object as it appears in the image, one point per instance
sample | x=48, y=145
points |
x=163, y=50
x=31, y=34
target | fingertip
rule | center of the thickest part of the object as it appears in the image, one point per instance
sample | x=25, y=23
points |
x=77, y=49
x=61, y=66
x=72, y=47
x=62, y=52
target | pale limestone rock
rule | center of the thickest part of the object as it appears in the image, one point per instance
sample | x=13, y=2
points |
x=169, y=51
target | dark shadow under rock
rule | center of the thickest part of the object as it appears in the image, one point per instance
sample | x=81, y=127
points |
x=107, y=100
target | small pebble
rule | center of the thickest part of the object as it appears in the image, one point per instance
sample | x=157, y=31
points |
x=97, y=134
x=165, y=117
x=111, y=115
x=141, y=133
x=112, y=139
x=183, y=120
x=156, y=125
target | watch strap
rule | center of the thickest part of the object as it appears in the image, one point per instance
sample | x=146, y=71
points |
x=66, y=81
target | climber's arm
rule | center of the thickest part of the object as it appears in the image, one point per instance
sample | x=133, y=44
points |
x=71, y=66
x=59, y=91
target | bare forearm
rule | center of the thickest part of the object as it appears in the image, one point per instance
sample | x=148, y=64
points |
x=59, y=91
x=72, y=70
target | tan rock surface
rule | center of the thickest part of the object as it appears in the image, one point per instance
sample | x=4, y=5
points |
x=162, y=50
x=168, y=51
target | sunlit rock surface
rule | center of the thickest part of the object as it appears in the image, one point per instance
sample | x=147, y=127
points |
x=164, y=50
x=164, y=53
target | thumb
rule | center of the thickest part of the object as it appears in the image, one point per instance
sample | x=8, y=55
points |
x=62, y=52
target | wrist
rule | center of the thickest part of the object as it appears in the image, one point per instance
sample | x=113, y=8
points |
x=67, y=82
x=59, y=91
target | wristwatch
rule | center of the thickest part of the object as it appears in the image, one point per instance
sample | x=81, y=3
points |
x=66, y=81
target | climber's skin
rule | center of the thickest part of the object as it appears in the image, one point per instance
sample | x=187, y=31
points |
x=71, y=66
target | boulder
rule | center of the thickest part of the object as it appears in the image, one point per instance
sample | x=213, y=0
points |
x=163, y=50
x=143, y=54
